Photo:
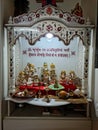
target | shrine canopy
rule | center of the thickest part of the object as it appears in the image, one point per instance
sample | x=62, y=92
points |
x=49, y=12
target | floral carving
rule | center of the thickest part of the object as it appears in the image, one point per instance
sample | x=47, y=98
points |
x=49, y=28
x=29, y=18
x=61, y=15
x=59, y=28
x=49, y=10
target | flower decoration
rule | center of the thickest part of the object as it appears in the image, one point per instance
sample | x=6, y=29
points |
x=49, y=28
x=61, y=15
x=68, y=19
x=59, y=28
x=49, y=10
x=29, y=18
x=37, y=15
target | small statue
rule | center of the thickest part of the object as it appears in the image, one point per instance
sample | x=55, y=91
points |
x=29, y=81
x=72, y=75
x=21, y=80
x=45, y=66
x=25, y=76
x=47, y=2
x=46, y=78
x=63, y=76
x=77, y=10
x=52, y=66
x=53, y=79
x=53, y=75
x=36, y=80
x=74, y=79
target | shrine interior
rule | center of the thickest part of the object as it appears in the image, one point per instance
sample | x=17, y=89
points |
x=49, y=65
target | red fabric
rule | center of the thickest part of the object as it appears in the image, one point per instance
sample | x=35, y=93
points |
x=67, y=87
x=36, y=89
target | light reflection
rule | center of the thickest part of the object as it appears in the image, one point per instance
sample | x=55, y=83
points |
x=49, y=35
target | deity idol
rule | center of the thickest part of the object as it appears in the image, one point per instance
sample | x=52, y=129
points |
x=47, y=2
